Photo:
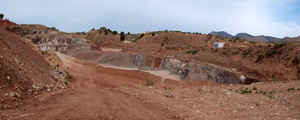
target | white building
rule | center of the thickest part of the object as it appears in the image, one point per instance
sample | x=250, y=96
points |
x=218, y=45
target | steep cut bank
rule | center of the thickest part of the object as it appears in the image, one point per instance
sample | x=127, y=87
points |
x=49, y=39
x=185, y=70
x=24, y=73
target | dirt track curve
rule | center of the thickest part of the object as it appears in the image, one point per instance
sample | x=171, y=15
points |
x=104, y=93
x=91, y=97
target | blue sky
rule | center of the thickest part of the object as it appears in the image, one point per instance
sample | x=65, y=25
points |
x=279, y=18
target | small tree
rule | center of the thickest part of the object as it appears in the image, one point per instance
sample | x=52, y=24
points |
x=122, y=36
x=105, y=32
x=128, y=33
x=153, y=34
x=1, y=16
x=114, y=32
x=142, y=35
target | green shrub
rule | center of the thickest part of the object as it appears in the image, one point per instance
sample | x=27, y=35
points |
x=142, y=35
x=270, y=53
x=153, y=34
x=149, y=82
x=195, y=51
x=69, y=76
x=115, y=33
x=188, y=52
x=1, y=16
x=44, y=52
x=122, y=36
x=275, y=80
x=66, y=83
x=279, y=45
x=260, y=57
x=289, y=89
x=244, y=91
x=254, y=88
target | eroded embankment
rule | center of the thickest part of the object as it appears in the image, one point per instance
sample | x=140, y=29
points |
x=184, y=70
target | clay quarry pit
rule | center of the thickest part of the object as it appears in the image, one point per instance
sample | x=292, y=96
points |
x=48, y=74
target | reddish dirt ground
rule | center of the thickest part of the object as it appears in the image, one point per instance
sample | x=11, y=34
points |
x=105, y=93
x=96, y=92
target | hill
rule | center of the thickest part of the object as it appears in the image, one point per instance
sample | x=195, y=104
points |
x=261, y=38
x=24, y=72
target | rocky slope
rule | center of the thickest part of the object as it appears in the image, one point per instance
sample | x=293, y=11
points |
x=49, y=39
x=24, y=73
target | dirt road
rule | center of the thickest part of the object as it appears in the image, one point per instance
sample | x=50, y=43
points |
x=105, y=93
x=92, y=96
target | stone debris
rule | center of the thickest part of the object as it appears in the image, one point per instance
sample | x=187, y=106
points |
x=169, y=95
x=14, y=94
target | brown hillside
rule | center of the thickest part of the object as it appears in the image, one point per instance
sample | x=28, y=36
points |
x=23, y=71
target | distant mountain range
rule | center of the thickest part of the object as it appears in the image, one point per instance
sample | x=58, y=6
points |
x=261, y=38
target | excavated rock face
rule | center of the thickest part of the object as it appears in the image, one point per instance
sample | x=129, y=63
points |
x=189, y=70
x=186, y=70
x=49, y=39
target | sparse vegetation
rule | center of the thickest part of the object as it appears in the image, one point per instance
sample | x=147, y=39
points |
x=44, y=52
x=290, y=89
x=153, y=34
x=66, y=83
x=254, y=88
x=260, y=57
x=276, y=46
x=142, y=35
x=193, y=52
x=115, y=32
x=243, y=90
x=149, y=82
x=122, y=38
x=270, y=53
x=296, y=60
x=275, y=80
x=53, y=28
x=105, y=32
x=1, y=16
x=69, y=76
x=253, y=42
